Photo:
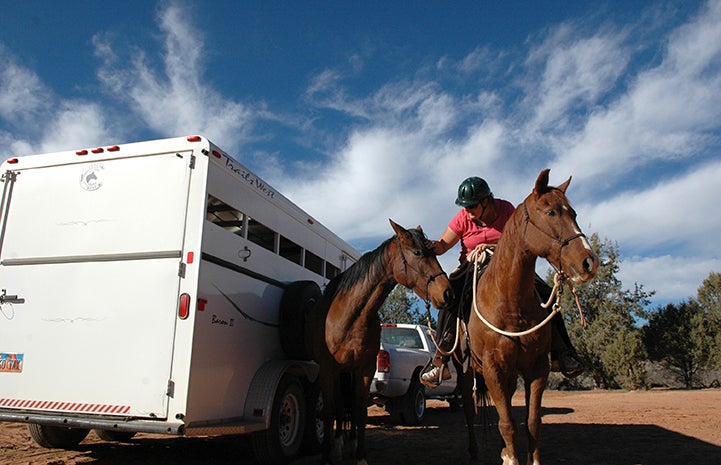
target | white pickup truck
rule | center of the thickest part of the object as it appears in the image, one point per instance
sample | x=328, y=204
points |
x=405, y=349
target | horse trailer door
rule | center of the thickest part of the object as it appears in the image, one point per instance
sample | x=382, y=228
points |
x=89, y=262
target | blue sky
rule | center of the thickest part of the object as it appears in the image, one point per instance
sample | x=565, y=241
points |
x=364, y=111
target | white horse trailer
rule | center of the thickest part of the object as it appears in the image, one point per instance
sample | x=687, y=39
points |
x=158, y=287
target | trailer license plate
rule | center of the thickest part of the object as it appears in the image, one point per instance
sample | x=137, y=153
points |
x=11, y=363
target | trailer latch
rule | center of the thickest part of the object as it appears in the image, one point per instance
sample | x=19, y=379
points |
x=10, y=299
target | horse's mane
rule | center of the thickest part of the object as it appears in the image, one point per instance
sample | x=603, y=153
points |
x=370, y=266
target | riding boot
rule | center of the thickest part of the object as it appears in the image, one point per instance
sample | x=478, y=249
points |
x=563, y=355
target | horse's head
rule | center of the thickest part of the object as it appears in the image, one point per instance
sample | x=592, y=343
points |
x=417, y=268
x=552, y=232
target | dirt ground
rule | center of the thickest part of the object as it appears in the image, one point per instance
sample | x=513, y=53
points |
x=659, y=427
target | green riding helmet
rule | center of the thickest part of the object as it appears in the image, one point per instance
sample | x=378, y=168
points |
x=472, y=191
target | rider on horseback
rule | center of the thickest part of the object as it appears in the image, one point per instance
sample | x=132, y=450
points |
x=478, y=226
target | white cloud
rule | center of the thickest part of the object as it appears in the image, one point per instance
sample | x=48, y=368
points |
x=666, y=114
x=677, y=214
x=673, y=278
x=176, y=101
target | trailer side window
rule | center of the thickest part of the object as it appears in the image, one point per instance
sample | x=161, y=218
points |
x=225, y=216
x=261, y=234
x=331, y=271
x=290, y=250
x=313, y=262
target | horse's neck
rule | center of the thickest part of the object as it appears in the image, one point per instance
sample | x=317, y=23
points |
x=512, y=268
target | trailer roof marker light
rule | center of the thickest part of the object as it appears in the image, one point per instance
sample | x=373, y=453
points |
x=81, y=152
x=114, y=148
x=184, y=306
x=98, y=150
x=216, y=154
x=193, y=138
x=12, y=160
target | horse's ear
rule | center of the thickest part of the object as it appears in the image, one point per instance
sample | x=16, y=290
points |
x=542, y=182
x=419, y=228
x=397, y=227
x=564, y=186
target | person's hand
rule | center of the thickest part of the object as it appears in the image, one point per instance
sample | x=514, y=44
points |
x=432, y=246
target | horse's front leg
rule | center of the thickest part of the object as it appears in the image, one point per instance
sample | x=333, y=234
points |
x=327, y=389
x=534, y=394
x=501, y=388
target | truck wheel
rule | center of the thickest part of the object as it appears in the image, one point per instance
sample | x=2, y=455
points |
x=414, y=404
x=114, y=436
x=281, y=442
x=56, y=437
x=298, y=299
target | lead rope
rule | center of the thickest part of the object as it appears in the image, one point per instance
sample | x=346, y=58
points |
x=558, y=279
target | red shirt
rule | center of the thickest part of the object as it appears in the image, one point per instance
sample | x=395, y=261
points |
x=472, y=234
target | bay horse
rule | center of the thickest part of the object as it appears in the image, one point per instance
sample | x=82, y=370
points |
x=507, y=333
x=343, y=329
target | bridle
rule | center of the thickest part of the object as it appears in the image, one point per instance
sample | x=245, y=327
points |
x=430, y=277
x=563, y=242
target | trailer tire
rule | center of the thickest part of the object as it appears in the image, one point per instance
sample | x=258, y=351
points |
x=298, y=299
x=314, y=426
x=282, y=441
x=56, y=437
x=114, y=436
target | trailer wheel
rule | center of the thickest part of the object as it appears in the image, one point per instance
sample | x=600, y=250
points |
x=298, y=299
x=281, y=442
x=314, y=426
x=56, y=437
x=114, y=436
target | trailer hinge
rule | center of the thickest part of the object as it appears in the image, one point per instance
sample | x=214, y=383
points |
x=192, y=162
x=170, y=392
x=181, y=270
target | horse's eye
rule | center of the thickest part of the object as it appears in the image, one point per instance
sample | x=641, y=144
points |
x=551, y=213
x=417, y=252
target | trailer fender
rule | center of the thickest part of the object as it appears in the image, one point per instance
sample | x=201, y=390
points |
x=259, y=401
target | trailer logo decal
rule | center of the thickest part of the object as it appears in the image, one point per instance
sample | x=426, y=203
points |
x=90, y=179
x=11, y=363
x=64, y=406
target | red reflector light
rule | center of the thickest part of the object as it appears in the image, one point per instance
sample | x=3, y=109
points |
x=216, y=154
x=191, y=257
x=13, y=160
x=98, y=150
x=384, y=362
x=114, y=148
x=201, y=305
x=184, y=306
x=193, y=138
x=81, y=152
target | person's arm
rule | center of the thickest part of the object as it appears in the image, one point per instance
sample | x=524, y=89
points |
x=445, y=242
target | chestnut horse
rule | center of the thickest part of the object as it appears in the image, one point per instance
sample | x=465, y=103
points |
x=507, y=331
x=344, y=327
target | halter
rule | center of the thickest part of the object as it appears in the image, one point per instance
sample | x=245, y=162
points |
x=563, y=242
x=430, y=277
